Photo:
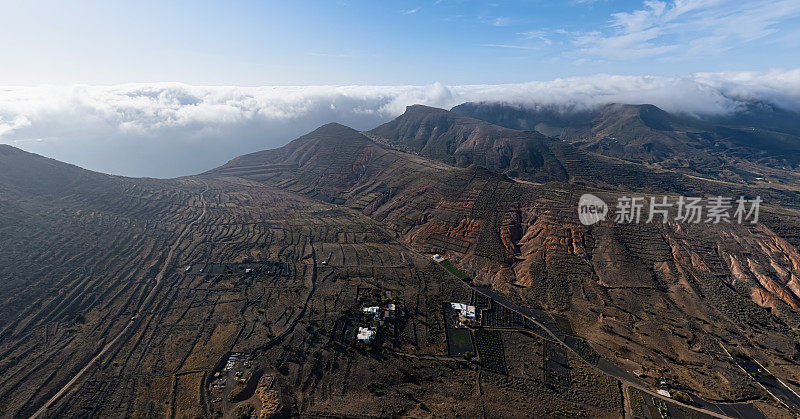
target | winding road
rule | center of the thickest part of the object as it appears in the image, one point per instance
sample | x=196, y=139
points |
x=610, y=369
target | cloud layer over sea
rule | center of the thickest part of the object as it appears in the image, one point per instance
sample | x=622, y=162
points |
x=172, y=129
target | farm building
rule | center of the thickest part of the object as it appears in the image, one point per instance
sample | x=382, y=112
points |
x=389, y=312
x=378, y=314
x=365, y=334
x=464, y=311
x=371, y=310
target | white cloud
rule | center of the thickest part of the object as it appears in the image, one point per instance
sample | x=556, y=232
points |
x=663, y=28
x=511, y=46
x=501, y=21
x=170, y=129
x=537, y=34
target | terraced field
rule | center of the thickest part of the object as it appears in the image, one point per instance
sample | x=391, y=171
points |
x=100, y=315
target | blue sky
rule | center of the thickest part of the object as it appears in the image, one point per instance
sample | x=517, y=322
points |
x=388, y=43
x=168, y=88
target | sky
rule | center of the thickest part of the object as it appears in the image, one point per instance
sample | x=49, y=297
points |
x=388, y=43
x=174, y=88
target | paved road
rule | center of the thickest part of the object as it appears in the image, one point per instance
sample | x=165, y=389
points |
x=603, y=366
x=771, y=384
x=129, y=327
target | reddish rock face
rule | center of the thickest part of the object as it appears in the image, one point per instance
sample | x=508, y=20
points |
x=654, y=296
x=352, y=218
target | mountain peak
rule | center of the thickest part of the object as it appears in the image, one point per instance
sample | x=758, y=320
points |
x=424, y=108
x=9, y=149
x=463, y=141
x=651, y=116
x=327, y=140
x=332, y=129
x=631, y=107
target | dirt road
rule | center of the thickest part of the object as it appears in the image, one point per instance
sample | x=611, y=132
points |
x=129, y=327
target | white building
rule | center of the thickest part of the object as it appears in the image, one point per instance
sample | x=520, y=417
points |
x=464, y=311
x=371, y=310
x=365, y=334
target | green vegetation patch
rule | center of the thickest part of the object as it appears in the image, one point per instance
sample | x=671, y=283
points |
x=490, y=351
x=637, y=402
x=460, y=342
x=453, y=270
x=563, y=324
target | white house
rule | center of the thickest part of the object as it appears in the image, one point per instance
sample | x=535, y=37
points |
x=365, y=334
x=371, y=310
x=465, y=311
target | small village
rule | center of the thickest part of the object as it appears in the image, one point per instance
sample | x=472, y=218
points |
x=376, y=322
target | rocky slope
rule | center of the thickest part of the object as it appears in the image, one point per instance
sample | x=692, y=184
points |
x=658, y=298
x=670, y=301
x=755, y=143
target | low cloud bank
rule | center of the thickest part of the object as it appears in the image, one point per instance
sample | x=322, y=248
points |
x=170, y=129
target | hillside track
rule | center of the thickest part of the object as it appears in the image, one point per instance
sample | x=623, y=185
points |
x=134, y=321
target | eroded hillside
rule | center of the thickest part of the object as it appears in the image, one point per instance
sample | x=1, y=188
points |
x=246, y=286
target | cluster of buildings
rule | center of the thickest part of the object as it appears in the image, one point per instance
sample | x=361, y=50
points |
x=236, y=367
x=366, y=334
x=234, y=358
x=230, y=364
x=466, y=314
x=378, y=316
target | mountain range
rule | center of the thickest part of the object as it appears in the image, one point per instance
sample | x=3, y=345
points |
x=247, y=286
x=748, y=145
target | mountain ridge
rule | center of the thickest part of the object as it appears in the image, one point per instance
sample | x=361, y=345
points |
x=716, y=147
x=354, y=220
